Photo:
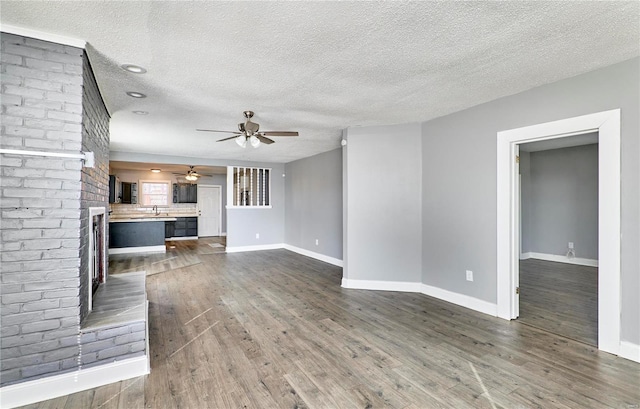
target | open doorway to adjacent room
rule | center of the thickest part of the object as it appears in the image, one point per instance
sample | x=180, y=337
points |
x=606, y=125
x=558, y=271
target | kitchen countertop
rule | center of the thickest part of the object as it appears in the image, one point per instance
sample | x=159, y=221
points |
x=149, y=217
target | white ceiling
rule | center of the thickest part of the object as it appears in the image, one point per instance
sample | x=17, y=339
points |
x=319, y=67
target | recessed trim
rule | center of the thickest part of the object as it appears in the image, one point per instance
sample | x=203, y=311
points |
x=134, y=69
x=136, y=94
x=44, y=36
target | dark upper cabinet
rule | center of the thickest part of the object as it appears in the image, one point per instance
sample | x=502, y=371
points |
x=112, y=189
x=122, y=192
x=185, y=193
x=129, y=193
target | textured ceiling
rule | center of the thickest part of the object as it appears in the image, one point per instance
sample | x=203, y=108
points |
x=319, y=67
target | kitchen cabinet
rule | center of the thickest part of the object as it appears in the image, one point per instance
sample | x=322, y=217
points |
x=122, y=192
x=113, y=193
x=182, y=227
x=136, y=234
x=129, y=192
x=185, y=193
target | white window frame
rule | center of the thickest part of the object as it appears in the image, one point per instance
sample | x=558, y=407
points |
x=231, y=188
x=141, y=194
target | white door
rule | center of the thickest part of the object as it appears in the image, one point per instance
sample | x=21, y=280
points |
x=209, y=210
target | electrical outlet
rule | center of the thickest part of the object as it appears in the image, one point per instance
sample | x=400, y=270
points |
x=257, y=235
x=316, y=242
x=570, y=244
x=469, y=275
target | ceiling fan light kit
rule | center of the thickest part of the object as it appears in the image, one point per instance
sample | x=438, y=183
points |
x=241, y=141
x=191, y=174
x=250, y=131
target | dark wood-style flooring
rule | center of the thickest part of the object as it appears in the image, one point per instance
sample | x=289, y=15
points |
x=274, y=329
x=560, y=298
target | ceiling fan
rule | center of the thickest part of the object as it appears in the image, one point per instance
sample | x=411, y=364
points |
x=191, y=174
x=249, y=131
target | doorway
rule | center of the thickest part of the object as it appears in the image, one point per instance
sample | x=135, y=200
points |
x=209, y=210
x=558, y=274
x=607, y=124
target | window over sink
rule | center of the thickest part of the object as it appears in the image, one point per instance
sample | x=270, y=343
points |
x=155, y=192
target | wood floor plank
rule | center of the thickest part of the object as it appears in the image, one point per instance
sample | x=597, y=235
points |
x=274, y=329
x=561, y=298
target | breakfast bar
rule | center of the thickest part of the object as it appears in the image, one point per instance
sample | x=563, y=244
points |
x=137, y=234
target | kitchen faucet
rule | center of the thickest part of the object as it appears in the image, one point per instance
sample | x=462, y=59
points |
x=155, y=209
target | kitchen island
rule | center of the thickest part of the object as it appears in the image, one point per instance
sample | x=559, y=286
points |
x=138, y=234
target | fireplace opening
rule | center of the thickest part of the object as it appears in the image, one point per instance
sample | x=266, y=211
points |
x=97, y=251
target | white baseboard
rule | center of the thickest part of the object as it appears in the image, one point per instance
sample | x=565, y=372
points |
x=402, y=286
x=181, y=238
x=460, y=299
x=629, y=351
x=560, y=259
x=29, y=392
x=313, y=254
x=145, y=249
x=255, y=248
x=317, y=256
x=223, y=234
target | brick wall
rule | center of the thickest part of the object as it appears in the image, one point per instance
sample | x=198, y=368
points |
x=42, y=204
x=40, y=207
x=114, y=343
x=95, y=181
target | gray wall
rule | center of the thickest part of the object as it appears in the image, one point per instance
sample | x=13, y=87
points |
x=459, y=180
x=384, y=232
x=243, y=224
x=313, y=200
x=563, y=201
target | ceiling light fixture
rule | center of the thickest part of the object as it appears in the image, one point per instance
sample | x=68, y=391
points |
x=191, y=177
x=155, y=170
x=255, y=142
x=242, y=141
x=140, y=112
x=135, y=94
x=136, y=69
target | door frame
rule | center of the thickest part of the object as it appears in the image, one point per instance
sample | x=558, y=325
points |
x=219, y=208
x=607, y=124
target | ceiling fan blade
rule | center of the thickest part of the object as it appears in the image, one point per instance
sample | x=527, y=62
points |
x=279, y=133
x=264, y=139
x=226, y=139
x=211, y=130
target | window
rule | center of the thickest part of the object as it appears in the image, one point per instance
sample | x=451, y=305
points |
x=155, y=192
x=251, y=187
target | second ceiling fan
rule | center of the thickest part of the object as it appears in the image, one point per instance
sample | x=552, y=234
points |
x=249, y=131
